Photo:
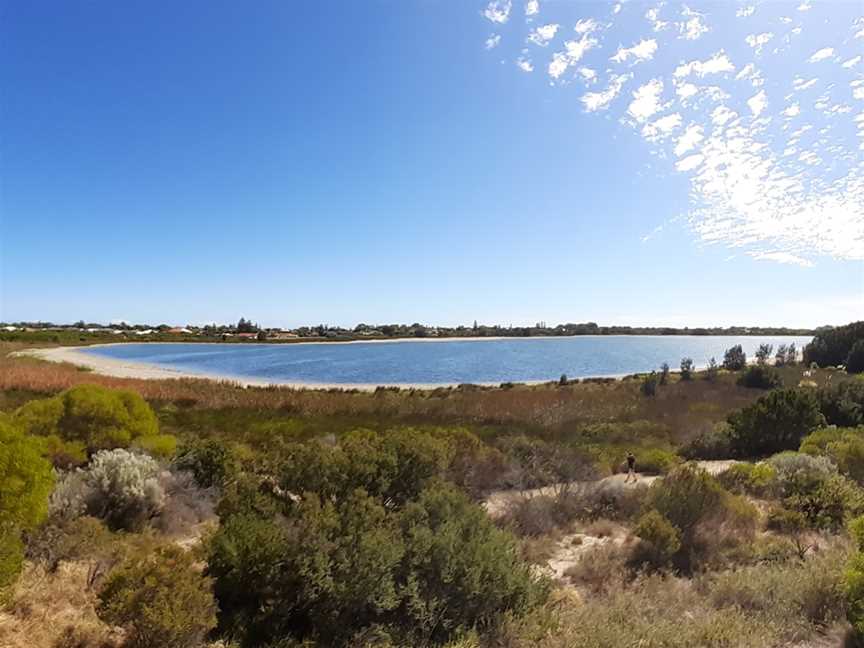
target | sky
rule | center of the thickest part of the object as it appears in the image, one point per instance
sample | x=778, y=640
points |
x=663, y=163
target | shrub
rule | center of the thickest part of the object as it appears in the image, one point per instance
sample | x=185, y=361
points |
x=648, y=386
x=685, y=497
x=660, y=541
x=760, y=377
x=711, y=372
x=776, y=422
x=714, y=443
x=855, y=359
x=63, y=455
x=654, y=461
x=797, y=472
x=161, y=446
x=734, y=359
x=161, y=600
x=757, y=479
x=330, y=570
x=829, y=504
x=100, y=418
x=664, y=373
x=844, y=446
x=854, y=589
x=763, y=353
x=842, y=404
x=686, y=368
x=212, y=462
x=126, y=489
x=26, y=480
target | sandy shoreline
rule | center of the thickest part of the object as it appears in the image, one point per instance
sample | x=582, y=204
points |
x=148, y=371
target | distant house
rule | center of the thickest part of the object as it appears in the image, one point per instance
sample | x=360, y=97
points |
x=10, y=328
x=144, y=332
x=179, y=331
x=247, y=336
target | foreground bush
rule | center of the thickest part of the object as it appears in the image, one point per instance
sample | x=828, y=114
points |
x=760, y=377
x=119, y=486
x=161, y=600
x=843, y=446
x=99, y=418
x=26, y=480
x=843, y=404
x=331, y=570
x=776, y=422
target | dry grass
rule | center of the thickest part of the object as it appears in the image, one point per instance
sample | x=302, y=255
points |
x=55, y=610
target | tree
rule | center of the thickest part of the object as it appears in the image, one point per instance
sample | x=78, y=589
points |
x=781, y=355
x=160, y=599
x=855, y=359
x=659, y=539
x=711, y=372
x=664, y=373
x=734, y=359
x=686, y=368
x=831, y=347
x=763, y=353
x=776, y=422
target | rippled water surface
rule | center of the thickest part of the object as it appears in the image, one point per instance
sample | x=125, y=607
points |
x=440, y=362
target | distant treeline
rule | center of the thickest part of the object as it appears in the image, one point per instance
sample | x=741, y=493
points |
x=82, y=332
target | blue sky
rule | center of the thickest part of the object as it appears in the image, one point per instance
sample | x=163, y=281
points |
x=510, y=162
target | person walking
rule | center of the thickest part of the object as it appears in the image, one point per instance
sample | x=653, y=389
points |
x=631, y=468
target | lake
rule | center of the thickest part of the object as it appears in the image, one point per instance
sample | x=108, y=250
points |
x=443, y=362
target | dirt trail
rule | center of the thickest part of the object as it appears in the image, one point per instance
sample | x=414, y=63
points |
x=497, y=502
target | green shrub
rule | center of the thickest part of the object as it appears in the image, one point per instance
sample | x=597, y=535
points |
x=853, y=579
x=798, y=473
x=213, y=462
x=829, y=504
x=162, y=446
x=654, y=461
x=685, y=497
x=686, y=368
x=831, y=347
x=757, y=479
x=715, y=443
x=648, y=386
x=776, y=422
x=63, y=455
x=161, y=600
x=760, y=377
x=842, y=404
x=856, y=530
x=26, y=480
x=734, y=359
x=844, y=446
x=333, y=569
x=99, y=417
x=855, y=359
x=659, y=540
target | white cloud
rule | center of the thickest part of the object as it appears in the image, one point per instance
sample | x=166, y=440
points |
x=718, y=63
x=782, y=257
x=498, y=11
x=689, y=140
x=686, y=90
x=585, y=26
x=821, y=55
x=532, y=8
x=689, y=163
x=799, y=84
x=542, y=35
x=493, y=41
x=524, y=64
x=643, y=51
x=751, y=74
x=658, y=130
x=743, y=12
x=792, y=111
x=805, y=6
x=572, y=54
x=757, y=103
x=653, y=16
x=601, y=100
x=616, y=8
x=721, y=115
x=693, y=27
x=587, y=73
x=855, y=60
x=758, y=41
x=646, y=100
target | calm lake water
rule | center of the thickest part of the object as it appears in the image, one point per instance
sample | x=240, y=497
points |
x=445, y=362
